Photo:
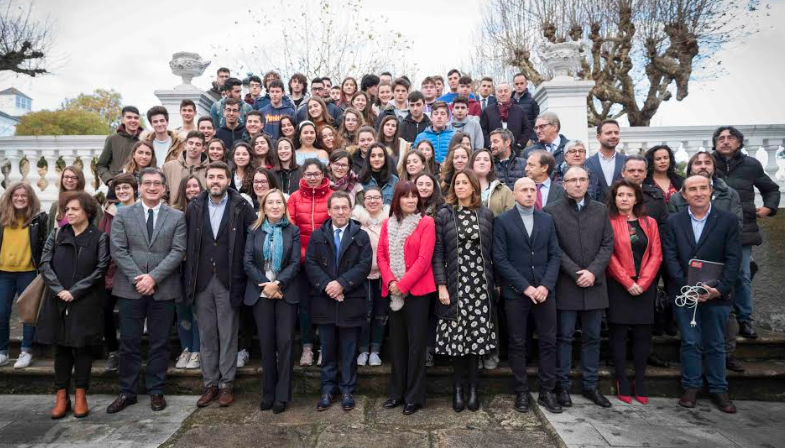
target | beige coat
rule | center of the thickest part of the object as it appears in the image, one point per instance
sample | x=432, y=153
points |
x=500, y=199
x=374, y=230
x=176, y=170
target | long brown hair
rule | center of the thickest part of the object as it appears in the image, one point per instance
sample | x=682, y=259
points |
x=80, y=186
x=448, y=170
x=130, y=164
x=476, y=201
x=182, y=200
x=639, y=210
x=395, y=144
x=9, y=215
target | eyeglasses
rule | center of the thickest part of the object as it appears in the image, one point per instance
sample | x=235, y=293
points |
x=576, y=151
x=232, y=111
x=373, y=198
x=340, y=208
x=70, y=178
x=153, y=183
x=260, y=182
x=312, y=175
x=576, y=180
x=340, y=165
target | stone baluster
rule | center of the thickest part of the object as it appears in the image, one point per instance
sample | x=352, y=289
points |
x=14, y=175
x=86, y=156
x=32, y=175
x=779, y=159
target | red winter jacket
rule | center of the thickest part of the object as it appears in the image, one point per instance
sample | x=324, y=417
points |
x=308, y=210
x=622, y=264
x=417, y=253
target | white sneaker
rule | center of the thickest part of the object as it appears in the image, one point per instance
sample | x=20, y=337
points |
x=362, y=359
x=24, y=360
x=3, y=359
x=319, y=362
x=306, y=359
x=491, y=362
x=194, y=362
x=183, y=359
x=242, y=358
x=374, y=359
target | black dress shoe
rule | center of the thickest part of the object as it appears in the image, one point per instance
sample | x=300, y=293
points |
x=733, y=364
x=120, y=403
x=411, y=408
x=278, y=407
x=549, y=401
x=266, y=406
x=157, y=402
x=656, y=361
x=563, y=398
x=746, y=330
x=392, y=403
x=457, y=399
x=325, y=402
x=473, y=403
x=347, y=402
x=596, y=397
x=522, y=402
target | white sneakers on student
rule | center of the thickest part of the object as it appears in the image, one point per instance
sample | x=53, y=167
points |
x=242, y=358
x=24, y=360
x=183, y=359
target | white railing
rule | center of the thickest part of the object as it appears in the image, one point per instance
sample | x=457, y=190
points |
x=765, y=142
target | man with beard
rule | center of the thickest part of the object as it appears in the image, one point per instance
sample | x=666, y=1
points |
x=607, y=164
x=214, y=278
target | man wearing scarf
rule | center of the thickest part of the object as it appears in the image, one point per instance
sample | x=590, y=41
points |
x=505, y=114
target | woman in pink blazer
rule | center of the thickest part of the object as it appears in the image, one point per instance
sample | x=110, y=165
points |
x=404, y=257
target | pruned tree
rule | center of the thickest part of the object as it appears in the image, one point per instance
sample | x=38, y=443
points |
x=107, y=104
x=640, y=52
x=24, y=42
x=324, y=38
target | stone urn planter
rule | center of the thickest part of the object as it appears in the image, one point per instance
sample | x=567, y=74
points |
x=187, y=66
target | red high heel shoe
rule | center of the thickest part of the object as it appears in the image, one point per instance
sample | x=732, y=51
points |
x=625, y=398
x=641, y=400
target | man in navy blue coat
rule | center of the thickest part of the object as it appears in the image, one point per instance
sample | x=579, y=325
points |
x=705, y=233
x=527, y=257
x=606, y=165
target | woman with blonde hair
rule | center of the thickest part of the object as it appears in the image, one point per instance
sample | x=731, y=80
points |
x=22, y=236
x=351, y=122
x=142, y=156
x=272, y=263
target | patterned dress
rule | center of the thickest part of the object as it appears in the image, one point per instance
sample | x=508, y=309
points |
x=472, y=332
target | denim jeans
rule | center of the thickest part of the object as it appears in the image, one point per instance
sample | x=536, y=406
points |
x=590, y=347
x=11, y=285
x=703, y=346
x=372, y=332
x=743, y=288
x=187, y=327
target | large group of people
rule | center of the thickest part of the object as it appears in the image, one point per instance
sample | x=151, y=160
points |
x=460, y=222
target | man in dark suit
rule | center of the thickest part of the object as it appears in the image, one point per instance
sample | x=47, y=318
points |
x=148, y=245
x=505, y=114
x=539, y=167
x=214, y=278
x=606, y=165
x=704, y=233
x=527, y=257
x=337, y=262
x=547, y=127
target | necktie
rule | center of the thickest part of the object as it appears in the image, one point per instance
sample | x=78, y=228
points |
x=150, y=218
x=484, y=103
x=550, y=148
x=337, y=246
x=538, y=204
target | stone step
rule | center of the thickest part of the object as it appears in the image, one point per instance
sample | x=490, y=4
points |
x=760, y=381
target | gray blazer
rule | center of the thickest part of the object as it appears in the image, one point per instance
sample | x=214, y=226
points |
x=135, y=254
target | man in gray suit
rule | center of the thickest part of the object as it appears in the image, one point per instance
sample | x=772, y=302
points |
x=539, y=167
x=148, y=245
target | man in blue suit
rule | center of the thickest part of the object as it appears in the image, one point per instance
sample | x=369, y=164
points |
x=703, y=232
x=527, y=257
x=607, y=163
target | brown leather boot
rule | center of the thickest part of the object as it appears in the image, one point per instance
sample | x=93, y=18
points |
x=81, y=409
x=62, y=404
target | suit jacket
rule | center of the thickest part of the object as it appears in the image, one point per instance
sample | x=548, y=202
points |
x=290, y=265
x=555, y=192
x=720, y=242
x=522, y=260
x=136, y=254
x=593, y=164
x=517, y=123
x=558, y=153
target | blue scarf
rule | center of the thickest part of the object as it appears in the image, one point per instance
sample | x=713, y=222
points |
x=273, y=243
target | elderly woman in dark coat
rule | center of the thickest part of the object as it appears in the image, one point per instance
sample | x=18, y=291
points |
x=463, y=270
x=73, y=265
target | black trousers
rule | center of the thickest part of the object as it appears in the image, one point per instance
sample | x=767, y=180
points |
x=110, y=329
x=160, y=317
x=641, y=337
x=275, y=320
x=519, y=311
x=408, y=332
x=335, y=339
x=247, y=328
x=465, y=367
x=80, y=360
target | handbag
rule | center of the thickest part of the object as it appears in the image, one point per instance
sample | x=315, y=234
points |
x=30, y=301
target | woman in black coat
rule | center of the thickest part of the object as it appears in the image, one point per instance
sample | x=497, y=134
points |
x=73, y=265
x=272, y=263
x=463, y=270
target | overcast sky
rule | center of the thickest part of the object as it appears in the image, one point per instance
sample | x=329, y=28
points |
x=127, y=47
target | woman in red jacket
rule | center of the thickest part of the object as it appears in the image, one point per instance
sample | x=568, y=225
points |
x=308, y=211
x=404, y=256
x=632, y=273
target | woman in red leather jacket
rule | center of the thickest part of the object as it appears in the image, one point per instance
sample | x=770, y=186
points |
x=632, y=273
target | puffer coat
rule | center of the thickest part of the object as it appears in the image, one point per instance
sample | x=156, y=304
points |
x=308, y=210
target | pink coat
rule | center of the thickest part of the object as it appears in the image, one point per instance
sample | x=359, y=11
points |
x=417, y=253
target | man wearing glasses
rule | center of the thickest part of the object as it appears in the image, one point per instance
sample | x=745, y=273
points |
x=232, y=129
x=547, y=128
x=148, y=243
x=586, y=240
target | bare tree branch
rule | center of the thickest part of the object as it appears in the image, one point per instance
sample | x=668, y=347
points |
x=24, y=42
